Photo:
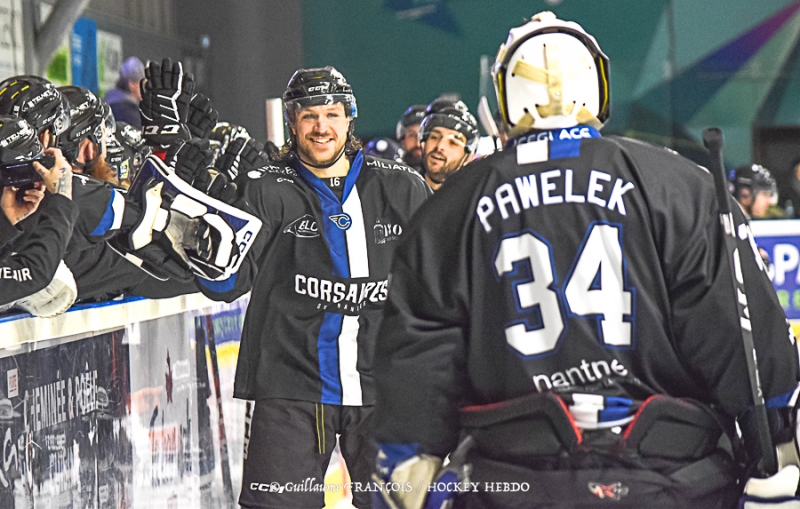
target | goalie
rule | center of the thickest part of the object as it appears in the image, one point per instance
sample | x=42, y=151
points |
x=567, y=303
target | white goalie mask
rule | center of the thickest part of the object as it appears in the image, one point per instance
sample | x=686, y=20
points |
x=551, y=74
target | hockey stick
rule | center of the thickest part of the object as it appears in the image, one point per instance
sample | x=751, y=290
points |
x=227, y=486
x=487, y=121
x=712, y=139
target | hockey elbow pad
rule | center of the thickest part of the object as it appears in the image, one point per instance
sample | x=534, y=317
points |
x=55, y=298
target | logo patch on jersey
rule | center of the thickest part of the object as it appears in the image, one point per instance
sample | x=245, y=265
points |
x=613, y=491
x=386, y=232
x=342, y=221
x=303, y=228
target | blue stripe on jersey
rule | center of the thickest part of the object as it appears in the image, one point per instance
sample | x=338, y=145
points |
x=108, y=217
x=226, y=285
x=328, y=354
x=560, y=149
x=331, y=328
x=780, y=401
x=331, y=206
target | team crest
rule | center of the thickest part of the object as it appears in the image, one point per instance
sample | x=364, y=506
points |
x=342, y=221
x=612, y=491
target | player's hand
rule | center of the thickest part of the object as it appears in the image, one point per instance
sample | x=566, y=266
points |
x=58, y=178
x=16, y=211
x=166, y=94
x=192, y=164
x=202, y=117
x=241, y=156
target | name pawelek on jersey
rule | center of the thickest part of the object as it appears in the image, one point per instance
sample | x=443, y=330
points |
x=552, y=187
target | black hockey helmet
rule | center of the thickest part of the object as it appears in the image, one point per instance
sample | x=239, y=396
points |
x=88, y=115
x=18, y=141
x=413, y=116
x=317, y=87
x=385, y=148
x=754, y=178
x=37, y=101
x=450, y=115
x=133, y=150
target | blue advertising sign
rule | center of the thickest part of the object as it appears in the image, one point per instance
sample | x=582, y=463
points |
x=83, y=47
x=781, y=240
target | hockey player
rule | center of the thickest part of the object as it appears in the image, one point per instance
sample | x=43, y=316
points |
x=37, y=101
x=318, y=272
x=385, y=148
x=84, y=142
x=37, y=259
x=407, y=134
x=568, y=303
x=449, y=138
x=755, y=189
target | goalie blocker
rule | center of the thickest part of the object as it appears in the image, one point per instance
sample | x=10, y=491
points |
x=183, y=229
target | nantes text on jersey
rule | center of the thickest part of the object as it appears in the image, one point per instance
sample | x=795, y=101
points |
x=578, y=264
x=318, y=272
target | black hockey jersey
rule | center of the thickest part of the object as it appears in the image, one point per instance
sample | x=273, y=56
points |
x=32, y=268
x=318, y=271
x=574, y=263
x=104, y=211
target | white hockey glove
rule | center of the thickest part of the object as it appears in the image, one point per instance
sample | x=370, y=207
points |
x=404, y=485
x=776, y=492
x=204, y=242
x=55, y=298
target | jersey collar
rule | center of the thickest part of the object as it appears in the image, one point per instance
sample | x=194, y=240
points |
x=555, y=135
x=349, y=181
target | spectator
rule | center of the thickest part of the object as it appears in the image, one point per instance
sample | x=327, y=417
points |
x=125, y=96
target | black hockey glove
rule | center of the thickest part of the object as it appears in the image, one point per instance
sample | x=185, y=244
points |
x=202, y=117
x=166, y=94
x=241, y=156
x=272, y=150
x=192, y=164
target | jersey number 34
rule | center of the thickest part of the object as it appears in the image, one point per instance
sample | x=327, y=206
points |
x=594, y=287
